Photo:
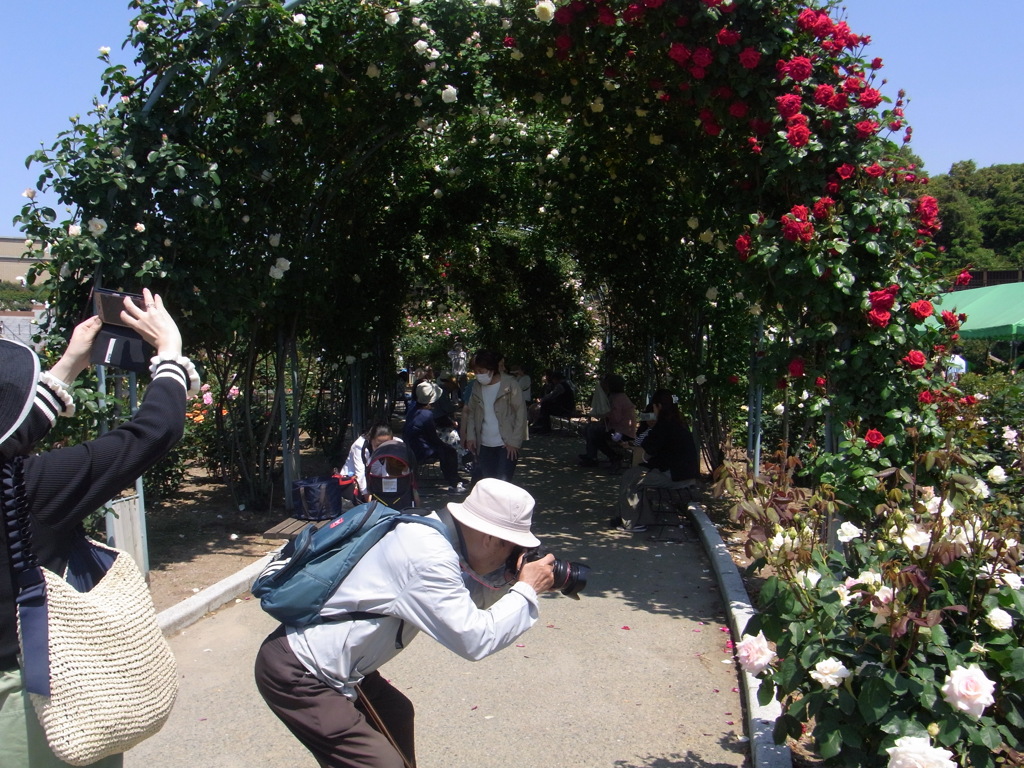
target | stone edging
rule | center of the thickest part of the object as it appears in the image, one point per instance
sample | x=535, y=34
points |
x=765, y=753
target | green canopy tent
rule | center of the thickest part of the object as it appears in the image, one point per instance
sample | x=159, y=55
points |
x=994, y=312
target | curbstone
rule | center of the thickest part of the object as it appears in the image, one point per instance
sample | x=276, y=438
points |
x=190, y=610
x=764, y=752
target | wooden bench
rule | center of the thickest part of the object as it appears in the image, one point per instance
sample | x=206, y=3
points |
x=291, y=527
x=670, y=508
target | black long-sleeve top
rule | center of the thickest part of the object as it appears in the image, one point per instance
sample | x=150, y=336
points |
x=64, y=486
x=669, y=446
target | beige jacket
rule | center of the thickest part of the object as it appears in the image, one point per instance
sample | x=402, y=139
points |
x=509, y=407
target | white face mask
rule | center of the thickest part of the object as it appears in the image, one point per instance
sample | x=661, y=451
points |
x=484, y=378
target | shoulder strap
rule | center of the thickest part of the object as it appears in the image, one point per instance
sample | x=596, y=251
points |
x=33, y=617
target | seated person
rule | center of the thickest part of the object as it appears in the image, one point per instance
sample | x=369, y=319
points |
x=420, y=433
x=359, y=453
x=447, y=407
x=610, y=430
x=559, y=401
x=672, y=462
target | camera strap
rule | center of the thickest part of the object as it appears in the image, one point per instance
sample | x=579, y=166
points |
x=379, y=725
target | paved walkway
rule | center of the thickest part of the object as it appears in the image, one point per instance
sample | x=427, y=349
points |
x=636, y=674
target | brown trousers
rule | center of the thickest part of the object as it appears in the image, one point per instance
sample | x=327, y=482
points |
x=335, y=729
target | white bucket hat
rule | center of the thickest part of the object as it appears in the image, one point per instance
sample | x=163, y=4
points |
x=498, y=509
x=427, y=392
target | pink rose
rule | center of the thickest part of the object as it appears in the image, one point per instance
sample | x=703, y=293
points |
x=968, y=690
x=753, y=654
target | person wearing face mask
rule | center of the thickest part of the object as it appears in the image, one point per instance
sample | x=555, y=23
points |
x=495, y=419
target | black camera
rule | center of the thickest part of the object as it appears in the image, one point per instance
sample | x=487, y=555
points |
x=570, y=578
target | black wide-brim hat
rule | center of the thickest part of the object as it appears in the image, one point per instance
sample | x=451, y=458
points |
x=19, y=372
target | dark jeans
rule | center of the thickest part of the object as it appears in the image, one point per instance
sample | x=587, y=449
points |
x=547, y=410
x=600, y=439
x=336, y=730
x=493, y=462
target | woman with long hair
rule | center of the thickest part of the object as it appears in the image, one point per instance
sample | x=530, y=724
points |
x=670, y=461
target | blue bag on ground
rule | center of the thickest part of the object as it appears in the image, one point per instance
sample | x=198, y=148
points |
x=294, y=587
x=319, y=498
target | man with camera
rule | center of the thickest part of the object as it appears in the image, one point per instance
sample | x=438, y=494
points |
x=474, y=590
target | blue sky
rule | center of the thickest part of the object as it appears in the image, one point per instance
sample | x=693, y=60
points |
x=958, y=65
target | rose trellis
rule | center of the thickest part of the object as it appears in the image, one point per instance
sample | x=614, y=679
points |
x=712, y=167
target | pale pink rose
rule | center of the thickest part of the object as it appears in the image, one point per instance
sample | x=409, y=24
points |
x=968, y=690
x=917, y=752
x=830, y=672
x=753, y=654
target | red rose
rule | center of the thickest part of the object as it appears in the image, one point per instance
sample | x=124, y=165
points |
x=606, y=16
x=738, y=109
x=846, y=171
x=964, y=278
x=703, y=58
x=874, y=438
x=883, y=299
x=824, y=94
x=927, y=397
x=869, y=98
x=743, y=245
x=750, y=58
x=874, y=170
x=915, y=360
x=866, y=129
x=820, y=382
x=822, y=208
x=796, y=367
x=795, y=230
x=788, y=104
x=799, y=68
x=876, y=63
x=734, y=379
x=921, y=309
x=727, y=37
x=564, y=15
x=679, y=53
x=798, y=135
x=509, y=42
x=853, y=85
x=950, y=320
x=879, y=317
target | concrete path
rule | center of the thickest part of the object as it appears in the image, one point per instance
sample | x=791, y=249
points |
x=636, y=674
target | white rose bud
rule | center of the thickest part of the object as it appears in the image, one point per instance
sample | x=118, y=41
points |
x=545, y=10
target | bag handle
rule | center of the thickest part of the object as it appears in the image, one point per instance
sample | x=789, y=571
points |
x=33, y=616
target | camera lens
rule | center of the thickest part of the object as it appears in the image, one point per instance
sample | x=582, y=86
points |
x=570, y=578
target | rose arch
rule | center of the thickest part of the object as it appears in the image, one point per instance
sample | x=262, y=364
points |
x=719, y=185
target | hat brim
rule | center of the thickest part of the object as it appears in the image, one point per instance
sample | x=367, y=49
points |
x=17, y=385
x=465, y=515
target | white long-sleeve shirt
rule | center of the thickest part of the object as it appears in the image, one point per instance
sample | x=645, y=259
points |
x=413, y=575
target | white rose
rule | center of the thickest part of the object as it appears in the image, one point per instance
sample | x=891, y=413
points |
x=299, y=19
x=105, y=50
x=917, y=752
x=296, y=119
x=753, y=654
x=997, y=475
x=999, y=619
x=350, y=359
x=421, y=46
x=711, y=293
x=318, y=67
x=29, y=193
x=270, y=118
x=74, y=230
x=701, y=380
x=276, y=273
x=808, y=578
x=597, y=105
x=968, y=690
x=1010, y=436
x=830, y=672
x=140, y=227
x=980, y=489
x=97, y=227
x=141, y=26
x=373, y=71
x=707, y=236
x=779, y=409
x=545, y=10
x=275, y=240
x=848, y=532
x=655, y=139
x=283, y=264
x=916, y=539
x=391, y=18
x=450, y=94
x=1011, y=580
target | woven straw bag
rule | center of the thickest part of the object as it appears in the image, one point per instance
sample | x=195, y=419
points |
x=113, y=679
